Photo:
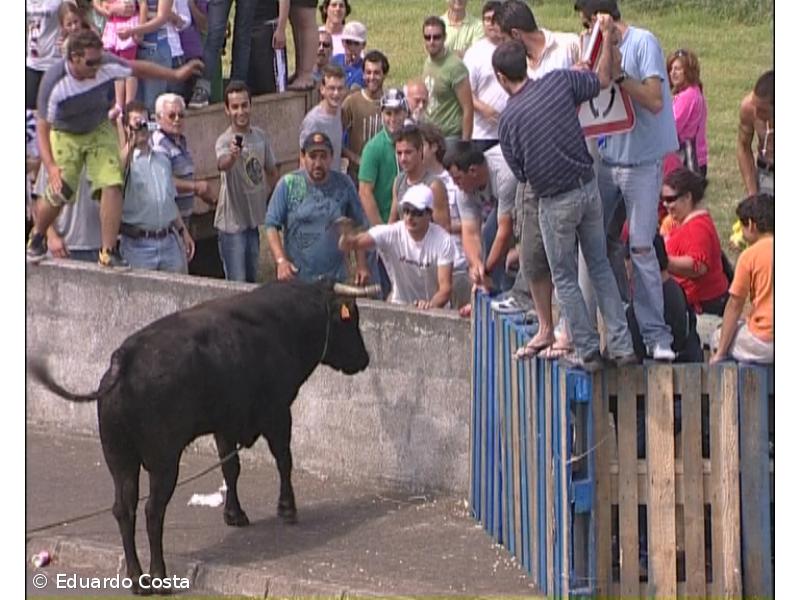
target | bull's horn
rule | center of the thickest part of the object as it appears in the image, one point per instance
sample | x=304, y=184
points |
x=342, y=289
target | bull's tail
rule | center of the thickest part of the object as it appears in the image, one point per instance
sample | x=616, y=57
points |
x=39, y=372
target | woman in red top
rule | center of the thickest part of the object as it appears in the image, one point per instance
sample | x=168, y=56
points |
x=695, y=256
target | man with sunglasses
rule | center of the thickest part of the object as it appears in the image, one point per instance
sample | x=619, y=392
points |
x=324, y=53
x=73, y=131
x=169, y=139
x=354, y=38
x=447, y=79
x=418, y=254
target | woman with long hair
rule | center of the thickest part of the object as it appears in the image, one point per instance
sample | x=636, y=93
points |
x=689, y=106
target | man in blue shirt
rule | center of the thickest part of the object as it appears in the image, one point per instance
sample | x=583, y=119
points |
x=306, y=205
x=153, y=236
x=630, y=169
x=354, y=38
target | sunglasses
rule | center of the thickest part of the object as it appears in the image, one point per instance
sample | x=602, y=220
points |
x=413, y=212
x=175, y=115
x=433, y=37
x=325, y=44
x=352, y=42
x=92, y=62
x=669, y=199
x=681, y=52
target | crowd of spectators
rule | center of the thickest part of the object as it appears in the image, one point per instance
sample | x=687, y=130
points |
x=477, y=172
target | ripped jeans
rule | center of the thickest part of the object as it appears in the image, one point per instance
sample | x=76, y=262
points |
x=639, y=186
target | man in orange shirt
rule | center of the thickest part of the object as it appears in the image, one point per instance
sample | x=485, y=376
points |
x=752, y=341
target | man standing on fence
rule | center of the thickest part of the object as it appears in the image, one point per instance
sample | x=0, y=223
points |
x=542, y=141
x=630, y=170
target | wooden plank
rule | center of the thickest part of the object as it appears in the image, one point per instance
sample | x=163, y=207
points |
x=474, y=422
x=604, y=439
x=549, y=478
x=564, y=509
x=515, y=453
x=629, y=380
x=498, y=510
x=755, y=478
x=688, y=379
x=532, y=473
x=725, y=536
x=484, y=410
x=525, y=515
x=662, y=576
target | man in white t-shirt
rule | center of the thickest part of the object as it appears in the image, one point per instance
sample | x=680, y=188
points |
x=418, y=254
x=488, y=96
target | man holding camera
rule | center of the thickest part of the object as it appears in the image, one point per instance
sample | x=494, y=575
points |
x=248, y=172
x=152, y=234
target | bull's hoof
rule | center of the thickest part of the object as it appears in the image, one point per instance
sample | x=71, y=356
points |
x=141, y=590
x=288, y=514
x=236, y=518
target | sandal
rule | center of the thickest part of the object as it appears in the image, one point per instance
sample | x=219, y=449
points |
x=555, y=351
x=530, y=351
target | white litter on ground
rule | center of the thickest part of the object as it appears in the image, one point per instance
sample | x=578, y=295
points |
x=213, y=500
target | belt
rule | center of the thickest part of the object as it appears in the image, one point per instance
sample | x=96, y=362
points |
x=762, y=164
x=579, y=183
x=134, y=232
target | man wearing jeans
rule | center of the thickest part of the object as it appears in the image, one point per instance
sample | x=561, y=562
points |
x=541, y=138
x=218, y=11
x=247, y=173
x=630, y=170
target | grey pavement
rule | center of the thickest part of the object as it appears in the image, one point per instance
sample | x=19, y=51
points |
x=350, y=540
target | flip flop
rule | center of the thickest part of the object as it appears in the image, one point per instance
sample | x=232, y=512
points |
x=528, y=351
x=555, y=351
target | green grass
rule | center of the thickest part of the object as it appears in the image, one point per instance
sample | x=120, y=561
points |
x=734, y=40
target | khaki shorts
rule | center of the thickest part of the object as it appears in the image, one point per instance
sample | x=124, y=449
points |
x=533, y=258
x=98, y=150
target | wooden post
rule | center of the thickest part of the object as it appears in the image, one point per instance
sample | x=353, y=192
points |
x=628, y=382
x=688, y=381
x=725, y=532
x=603, y=440
x=754, y=432
x=662, y=576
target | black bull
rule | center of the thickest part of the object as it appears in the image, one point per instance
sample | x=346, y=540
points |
x=231, y=367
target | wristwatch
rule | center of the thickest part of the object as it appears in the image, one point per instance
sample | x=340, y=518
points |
x=622, y=77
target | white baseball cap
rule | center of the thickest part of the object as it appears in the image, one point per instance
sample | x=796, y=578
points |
x=353, y=30
x=418, y=196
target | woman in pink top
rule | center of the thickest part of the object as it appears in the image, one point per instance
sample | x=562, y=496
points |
x=688, y=103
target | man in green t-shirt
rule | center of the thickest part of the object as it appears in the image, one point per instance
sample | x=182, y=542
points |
x=378, y=161
x=447, y=79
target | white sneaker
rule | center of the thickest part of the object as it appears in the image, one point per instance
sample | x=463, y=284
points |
x=661, y=352
x=506, y=305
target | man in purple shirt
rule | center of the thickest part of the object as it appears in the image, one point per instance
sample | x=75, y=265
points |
x=543, y=144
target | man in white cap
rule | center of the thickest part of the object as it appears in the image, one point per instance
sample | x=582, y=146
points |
x=418, y=254
x=354, y=38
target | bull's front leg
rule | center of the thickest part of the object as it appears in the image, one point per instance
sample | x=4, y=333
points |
x=233, y=513
x=279, y=436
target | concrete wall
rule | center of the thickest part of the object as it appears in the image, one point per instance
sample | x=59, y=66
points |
x=404, y=421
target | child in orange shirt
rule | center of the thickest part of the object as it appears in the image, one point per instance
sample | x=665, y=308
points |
x=752, y=341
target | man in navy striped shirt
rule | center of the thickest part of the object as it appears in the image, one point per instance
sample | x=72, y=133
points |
x=543, y=143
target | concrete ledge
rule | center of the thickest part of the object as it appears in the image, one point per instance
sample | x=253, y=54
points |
x=403, y=422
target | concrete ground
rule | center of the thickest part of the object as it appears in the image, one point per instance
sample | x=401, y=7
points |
x=349, y=540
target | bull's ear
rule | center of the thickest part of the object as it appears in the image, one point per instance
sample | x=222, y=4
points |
x=344, y=312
